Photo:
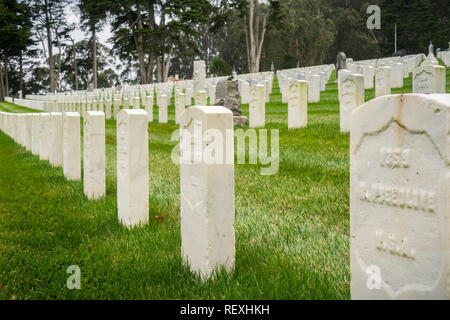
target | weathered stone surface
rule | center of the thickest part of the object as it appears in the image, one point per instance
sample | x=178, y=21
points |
x=137, y=103
x=149, y=100
x=314, y=89
x=180, y=101
x=56, y=139
x=199, y=76
x=429, y=79
x=399, y=198
x=189, y=92
x=132, y=102
x=15, y=118
x=28, y=121
x=405, y=69
x=240, y=121
x=44, y=151
x=212, y=95
x=20, y=128
x=116, y=106
x=323, y=81
x=221, y=89
x=220, y=102
x=369, y=73
x=94, y=176
x=352, y=96
x=35, y=133
x=341, y=62
x=266, y=91
x=430, y=60
x=383, y=81
x=245, y=92
x=200, y=98
x=298, y=104
x=207, y=191
x=163, y=109
x=257, y=106
x=397, y=75
x=232, y=100
x=108, y=109
x=284, y=88
x=341, y=73
x=132, y=168
x=71, y=146
x=99, y=104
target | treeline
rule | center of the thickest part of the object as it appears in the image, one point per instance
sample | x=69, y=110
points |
x=155, y=39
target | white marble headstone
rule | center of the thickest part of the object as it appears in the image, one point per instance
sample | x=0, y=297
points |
x=207, y=189
x=132, y=167
x=399, y=198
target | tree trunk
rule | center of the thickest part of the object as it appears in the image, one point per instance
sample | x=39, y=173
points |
x=167, y=65
x=58, y=78
x=159, y=69
x=50, y=47
x=251, y=30
x=94, y=57
x=247, y=42
x=140, y=48
x=150, y=69
x=21, y=72
x=160, y=60
x=151, y=24
x=2, y=85
x=255, y=38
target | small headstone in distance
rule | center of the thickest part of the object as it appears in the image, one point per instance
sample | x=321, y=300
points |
x=341, y=62
x=220, y=90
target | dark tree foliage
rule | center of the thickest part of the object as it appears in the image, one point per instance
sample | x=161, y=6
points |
x=155, y=39
x=220, y=67
x=15, y=37
x=418, y=23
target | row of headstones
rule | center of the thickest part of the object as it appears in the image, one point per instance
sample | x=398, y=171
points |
x=207, y=200
x=131, y=95
x=401, y=68
x=297, y=105
x=445, y=57
x=245, y=85
x=126, y=98
x=55, y=137
x=428, y=78
x=351, y=89
x=112, y=107
x=317, y=78
x=190, y=87
x=96, y=93
x=256, y=95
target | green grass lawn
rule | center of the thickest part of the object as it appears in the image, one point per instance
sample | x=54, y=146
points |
x=292, y=228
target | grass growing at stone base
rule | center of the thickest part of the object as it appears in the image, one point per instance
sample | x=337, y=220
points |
x=292, y=228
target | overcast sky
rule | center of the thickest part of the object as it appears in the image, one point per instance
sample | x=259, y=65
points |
x=78, y=34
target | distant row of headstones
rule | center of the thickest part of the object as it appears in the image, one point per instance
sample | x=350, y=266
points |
x=428, y=77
